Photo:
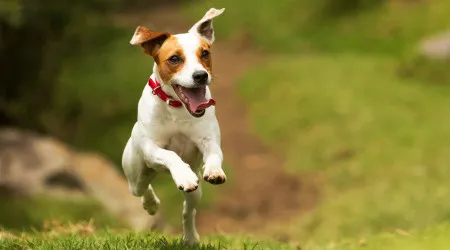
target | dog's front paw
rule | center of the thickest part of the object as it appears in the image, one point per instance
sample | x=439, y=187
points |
x=185, y=179
x=214, y=175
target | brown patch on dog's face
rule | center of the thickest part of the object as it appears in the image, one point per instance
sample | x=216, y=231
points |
x=170, y=59
x=204, y=55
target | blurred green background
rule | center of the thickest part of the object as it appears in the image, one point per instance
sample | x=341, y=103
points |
x=352, y=99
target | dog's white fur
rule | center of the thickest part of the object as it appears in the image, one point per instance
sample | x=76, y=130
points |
x=167, y=138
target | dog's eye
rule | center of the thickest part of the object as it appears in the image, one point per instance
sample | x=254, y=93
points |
x=205, y=54
x=175, y=59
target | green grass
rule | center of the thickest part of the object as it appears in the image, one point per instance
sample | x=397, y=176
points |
x=23, y=214
x=114, y=240
x=81, y=236
x=377, y=140
x=435, y=238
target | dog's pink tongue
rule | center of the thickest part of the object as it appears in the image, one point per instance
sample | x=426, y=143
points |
x=197, y=100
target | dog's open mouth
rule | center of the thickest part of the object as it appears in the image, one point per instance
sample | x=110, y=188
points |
x=193, y=99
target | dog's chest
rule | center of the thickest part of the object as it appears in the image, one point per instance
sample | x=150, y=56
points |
x=185, y=148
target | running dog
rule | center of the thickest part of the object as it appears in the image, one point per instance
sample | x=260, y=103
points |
x=176, y=129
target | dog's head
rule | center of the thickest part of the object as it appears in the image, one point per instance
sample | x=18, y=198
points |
x=183, y=60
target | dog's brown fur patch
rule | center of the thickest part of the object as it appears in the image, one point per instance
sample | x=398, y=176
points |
x=206, y=62
x=148, y=39
x=169, y=48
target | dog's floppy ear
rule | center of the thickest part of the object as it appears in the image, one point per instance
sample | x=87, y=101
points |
x=204, y=27
x=150, y=41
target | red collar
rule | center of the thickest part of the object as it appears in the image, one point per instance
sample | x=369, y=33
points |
x=157, y=90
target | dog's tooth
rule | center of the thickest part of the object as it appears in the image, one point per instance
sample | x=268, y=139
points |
x=184, y=97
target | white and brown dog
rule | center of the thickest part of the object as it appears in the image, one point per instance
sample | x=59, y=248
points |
x=176, y=129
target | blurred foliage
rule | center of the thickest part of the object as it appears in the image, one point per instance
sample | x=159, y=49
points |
x=333, y=8
x=289, y=26
x=137, y=5
x=68, y=70
x=36, y=39
x=10, y=11
x=26, y=214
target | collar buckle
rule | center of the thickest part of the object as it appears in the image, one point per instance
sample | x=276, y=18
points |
x=158, y=91
x=156, y=88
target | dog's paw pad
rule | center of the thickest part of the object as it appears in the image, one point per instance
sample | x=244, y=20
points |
x=215, y=177
x=188, y=189
x=185, y=179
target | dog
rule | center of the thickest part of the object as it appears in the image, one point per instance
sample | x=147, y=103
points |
x=176, y=129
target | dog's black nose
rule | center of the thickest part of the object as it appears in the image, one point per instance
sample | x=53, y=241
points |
x=200, y=77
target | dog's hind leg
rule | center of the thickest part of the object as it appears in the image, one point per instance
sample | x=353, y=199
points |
x=139, y=177
x=150, y=201
x=191, y=201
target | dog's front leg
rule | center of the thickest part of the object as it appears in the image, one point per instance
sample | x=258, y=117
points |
x=212, y=157
x=185, y=179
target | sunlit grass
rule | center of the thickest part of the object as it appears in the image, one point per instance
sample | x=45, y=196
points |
x=377, y=140
x=85, y=236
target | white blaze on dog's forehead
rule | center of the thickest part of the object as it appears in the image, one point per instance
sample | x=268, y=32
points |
x=190, y=44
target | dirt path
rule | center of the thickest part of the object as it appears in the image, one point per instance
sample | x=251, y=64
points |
x=259, y=193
